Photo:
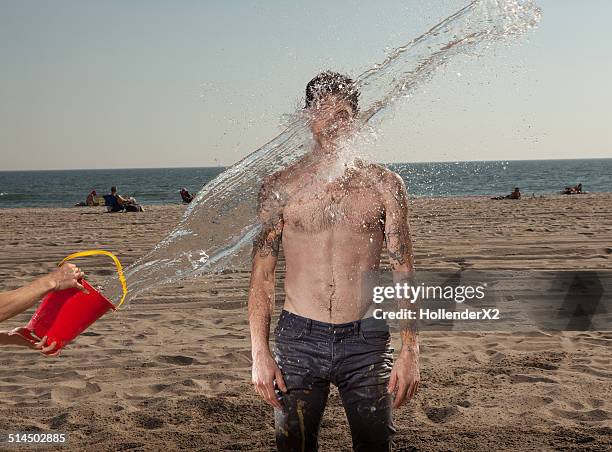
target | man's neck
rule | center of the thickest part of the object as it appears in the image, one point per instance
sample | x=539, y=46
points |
x=325, y=147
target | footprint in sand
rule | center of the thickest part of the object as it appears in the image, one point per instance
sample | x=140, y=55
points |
x=190, y=383
x=520, y=378
x=146, y=421
x=70, y=393
x=583, y=416
x=90, y=333
x=179, y=360
x=596, y=403
x=145, y=390
x=59, y=421
x=441, y=414
x=130, y=446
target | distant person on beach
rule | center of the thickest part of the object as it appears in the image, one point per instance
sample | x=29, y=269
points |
x=19, y=300
x=515, y=194
x=575, y=190
x=114, y=201
x=186, y=196
x=89, y=201
x=117, y=203
x=332, y=231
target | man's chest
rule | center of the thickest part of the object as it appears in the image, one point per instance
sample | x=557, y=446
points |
x=351, y=205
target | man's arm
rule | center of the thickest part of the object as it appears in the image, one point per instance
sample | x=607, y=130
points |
x=261, y=294
x=405, y=374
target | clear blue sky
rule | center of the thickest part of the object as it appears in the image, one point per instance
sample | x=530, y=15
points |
x=99, y=84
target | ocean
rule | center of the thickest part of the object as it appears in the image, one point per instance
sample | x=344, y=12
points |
x=162, y=185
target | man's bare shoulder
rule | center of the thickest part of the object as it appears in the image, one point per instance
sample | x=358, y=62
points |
x=282, y=180
x=388, y=180
x=277, y=186
x=271, y=180
x=274, y=183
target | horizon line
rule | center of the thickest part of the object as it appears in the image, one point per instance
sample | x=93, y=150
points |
x=228, y=166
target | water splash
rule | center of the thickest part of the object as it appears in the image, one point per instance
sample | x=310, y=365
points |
x=218, y=227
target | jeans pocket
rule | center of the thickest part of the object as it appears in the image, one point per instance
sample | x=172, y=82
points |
x=289, y=330
x=375, y=337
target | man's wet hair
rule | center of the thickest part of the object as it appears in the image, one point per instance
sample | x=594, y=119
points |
x=329, y=82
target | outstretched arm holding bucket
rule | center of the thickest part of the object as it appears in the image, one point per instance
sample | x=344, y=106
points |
x=69, y=307
x=16, y=301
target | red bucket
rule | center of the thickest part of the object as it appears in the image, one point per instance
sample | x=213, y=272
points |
x=65, y=314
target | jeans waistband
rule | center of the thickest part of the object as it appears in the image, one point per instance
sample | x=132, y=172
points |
x=368, y=324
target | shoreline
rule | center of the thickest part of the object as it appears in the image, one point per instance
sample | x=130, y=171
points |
x=524, y=197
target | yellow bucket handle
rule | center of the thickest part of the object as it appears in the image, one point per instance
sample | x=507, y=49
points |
x=105, y=253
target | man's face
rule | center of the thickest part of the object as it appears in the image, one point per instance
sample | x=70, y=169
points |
x=331, y=116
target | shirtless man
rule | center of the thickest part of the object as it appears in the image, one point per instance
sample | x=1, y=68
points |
x=332, y=231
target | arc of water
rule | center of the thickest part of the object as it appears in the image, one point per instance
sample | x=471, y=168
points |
x=216, y=228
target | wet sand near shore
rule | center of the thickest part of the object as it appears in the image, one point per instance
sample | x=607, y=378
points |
x=172, y=370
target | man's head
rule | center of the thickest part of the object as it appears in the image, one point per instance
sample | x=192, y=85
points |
x=113, y=190
x=332, y=100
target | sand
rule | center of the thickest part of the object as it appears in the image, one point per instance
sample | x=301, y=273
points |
x=172, y=371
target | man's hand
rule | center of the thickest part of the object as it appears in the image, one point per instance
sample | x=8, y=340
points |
x=265, y=372
x=405, y=377
x=65, y=277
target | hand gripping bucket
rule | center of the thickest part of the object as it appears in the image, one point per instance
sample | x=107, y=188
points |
x=65, y=314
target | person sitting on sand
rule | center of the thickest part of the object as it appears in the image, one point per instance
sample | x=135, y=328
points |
x=117, y=203
x=516, y=194
x=91, y=198
x=17, y=301
x=132, y=205
x=114, y=201
x=187, y=198
x=89, y=201
x=576, y=190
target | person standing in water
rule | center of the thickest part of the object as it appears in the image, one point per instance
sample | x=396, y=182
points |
x=332, y=231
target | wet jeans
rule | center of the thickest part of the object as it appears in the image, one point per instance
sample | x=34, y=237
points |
x=356, y=357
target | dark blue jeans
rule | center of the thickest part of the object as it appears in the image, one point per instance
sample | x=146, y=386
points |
x=356, y=357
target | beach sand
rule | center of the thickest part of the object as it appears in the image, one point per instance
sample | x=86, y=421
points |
x=173, y=369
